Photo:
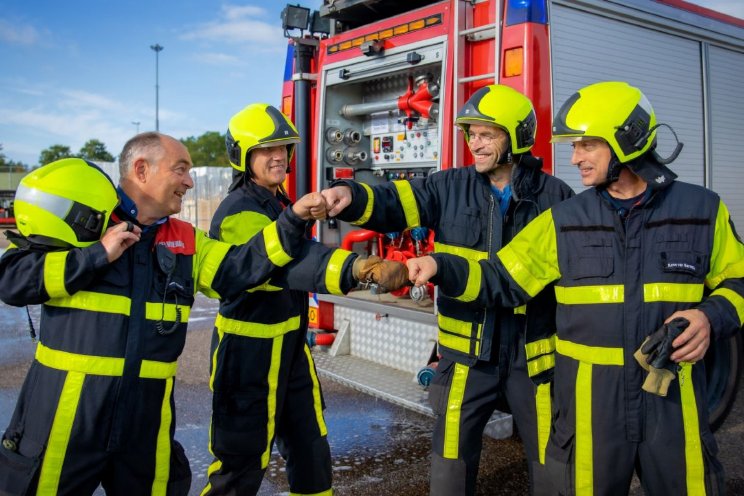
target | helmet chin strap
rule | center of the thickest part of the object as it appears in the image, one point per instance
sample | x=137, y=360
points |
x=506, y=156
x=613, y=171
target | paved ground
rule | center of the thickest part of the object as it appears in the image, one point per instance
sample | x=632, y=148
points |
x=378, y=448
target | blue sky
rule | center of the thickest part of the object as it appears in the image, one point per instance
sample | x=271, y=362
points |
x=75, y=70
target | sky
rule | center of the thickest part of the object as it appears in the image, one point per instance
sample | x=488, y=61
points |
x=75, y=70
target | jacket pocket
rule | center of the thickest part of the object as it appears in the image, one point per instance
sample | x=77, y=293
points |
x=584, y=267
x=17, y=471
x=682, y=262
x=463, y=228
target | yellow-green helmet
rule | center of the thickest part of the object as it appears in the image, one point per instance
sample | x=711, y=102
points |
x=615, y=111
x=257, y=126
x=65, y=203
x=503, y=107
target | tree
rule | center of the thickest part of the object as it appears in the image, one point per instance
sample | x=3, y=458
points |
x=94, y=149
x=207, y=149
x=10, y=165
x=54, y=152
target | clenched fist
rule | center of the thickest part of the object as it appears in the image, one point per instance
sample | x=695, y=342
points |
x=388, y=274
x=311, y=206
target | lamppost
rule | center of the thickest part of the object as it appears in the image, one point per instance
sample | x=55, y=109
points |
x=136, y=123
x=157, y=48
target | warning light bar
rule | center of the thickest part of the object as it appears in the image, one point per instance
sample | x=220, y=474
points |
x=387, y=33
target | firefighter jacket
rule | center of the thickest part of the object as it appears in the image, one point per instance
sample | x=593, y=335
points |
x=243, y=214
x=459, y=206
x=617, y=279
x=111, y=333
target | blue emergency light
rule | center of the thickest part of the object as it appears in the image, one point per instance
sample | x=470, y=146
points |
x=521, y=11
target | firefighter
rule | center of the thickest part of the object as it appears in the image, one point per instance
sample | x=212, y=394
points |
x=262, y=374
x=484, y=360
x=629, y=257
x=97, y=404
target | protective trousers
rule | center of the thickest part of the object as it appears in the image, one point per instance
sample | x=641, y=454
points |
x=589, y=455
x=266, y=389
x=463, y=399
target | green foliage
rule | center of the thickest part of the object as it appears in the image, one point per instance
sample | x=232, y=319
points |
x=54, y=152
x=94, y=149
x=207, y=149
x=6, y=163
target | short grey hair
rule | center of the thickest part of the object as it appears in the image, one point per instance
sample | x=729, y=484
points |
x=149, y=144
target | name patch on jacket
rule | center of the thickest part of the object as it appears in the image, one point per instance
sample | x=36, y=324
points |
x=177, y=236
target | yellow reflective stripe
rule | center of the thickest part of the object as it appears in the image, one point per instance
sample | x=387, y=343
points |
x=531, y=263
x=596, y=355
x=238, y=228
x=150, y=369
x=274, y=249
x=584, y=440
x=334, y=271
x=727, y=255
x=207, y=260
x=677, y=292
x=59, y=436
x=460, y=251
x=454, y=410
x=163, y=449
x=317, y=402
x=72, y=362
x=368, y=209
x=167, y=312
x=544, y=414
x=256, y=329
x=54, y=274
x=408, y=202
x=735, y=299
x=540, y=347
x=473, y=284
x=97, y=365
x=273, y=380
x=264, y=287
x=693, y=447
x=590, y=295
x=459, y=334
x=520, y=310
x=538, y=365
x=94, y=302
x=213, y=368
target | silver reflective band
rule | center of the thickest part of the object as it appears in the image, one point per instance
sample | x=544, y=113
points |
x=53, y=204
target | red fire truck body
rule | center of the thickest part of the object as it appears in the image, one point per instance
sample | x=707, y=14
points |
x=375, y=101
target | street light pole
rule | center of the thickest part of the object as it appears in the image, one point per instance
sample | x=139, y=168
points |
x=157, y=48
x=136, y=123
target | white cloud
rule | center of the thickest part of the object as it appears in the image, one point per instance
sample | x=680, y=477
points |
x=18, y=33
x=239, y=25
x=216, y=58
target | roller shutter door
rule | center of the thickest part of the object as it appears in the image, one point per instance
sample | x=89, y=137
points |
x=588, y=47
x=727, y=129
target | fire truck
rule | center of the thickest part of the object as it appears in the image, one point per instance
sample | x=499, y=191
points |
x=7, y=217
x=374, y=86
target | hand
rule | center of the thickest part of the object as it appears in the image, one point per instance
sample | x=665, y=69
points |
x=118, y=238
x=337, y=198
x=311, y=206
x=692, y=344
x=420, y=270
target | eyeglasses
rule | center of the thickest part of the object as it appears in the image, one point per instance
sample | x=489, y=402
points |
x=486, y=139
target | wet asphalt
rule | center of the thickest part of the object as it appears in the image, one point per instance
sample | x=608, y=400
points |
x=377, y=448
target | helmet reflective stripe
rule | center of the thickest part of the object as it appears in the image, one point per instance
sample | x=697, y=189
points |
x=55, y=205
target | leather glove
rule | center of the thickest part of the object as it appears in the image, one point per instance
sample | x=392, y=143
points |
x=654, y=353
x=388, y=274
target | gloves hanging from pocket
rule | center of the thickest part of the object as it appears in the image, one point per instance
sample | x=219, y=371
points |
x=654, y=356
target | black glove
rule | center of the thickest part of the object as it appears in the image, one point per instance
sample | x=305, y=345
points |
x=658, y=346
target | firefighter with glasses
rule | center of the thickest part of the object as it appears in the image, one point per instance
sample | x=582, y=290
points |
x=263, y=377
x=491, y=358
x=647, y=270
